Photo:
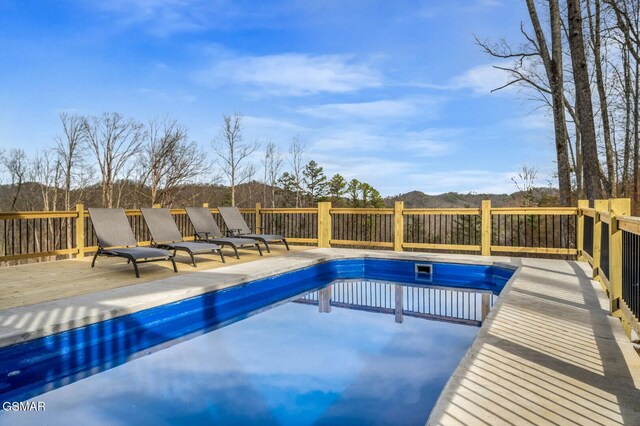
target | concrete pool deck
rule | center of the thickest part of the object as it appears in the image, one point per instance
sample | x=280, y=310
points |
x=548, y=353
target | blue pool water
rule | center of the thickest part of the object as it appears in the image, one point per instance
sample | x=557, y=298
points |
x=364, y=341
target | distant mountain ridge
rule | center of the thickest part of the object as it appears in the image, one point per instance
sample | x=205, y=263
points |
x=250, y=193
x=418, y=199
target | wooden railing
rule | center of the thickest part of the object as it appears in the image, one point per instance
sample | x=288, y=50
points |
x=485, y=230
x=609, y=239
x=603, y=235
x=28, y=235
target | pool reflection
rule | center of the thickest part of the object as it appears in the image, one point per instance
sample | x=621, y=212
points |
x=378, y=358
x=458, y=305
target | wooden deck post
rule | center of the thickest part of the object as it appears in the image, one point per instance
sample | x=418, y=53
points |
x=486, y=228
x=324, y=224
x=157, y=205
x=205, y=205
x=258, y=218
x=598, y=205
x=80, y=231
x=399, y=318
x=617, y=207
x=324, y=300
x=582, y=204
x=486, y=305
x=398, y=226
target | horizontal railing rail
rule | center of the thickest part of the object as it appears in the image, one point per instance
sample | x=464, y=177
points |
x=609, y=239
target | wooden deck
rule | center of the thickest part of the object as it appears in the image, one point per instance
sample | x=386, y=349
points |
x=26, y=285
x=549, y=352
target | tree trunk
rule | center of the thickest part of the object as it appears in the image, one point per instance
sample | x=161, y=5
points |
x=636, y=142
x=611, y=181
x=584, y=105
x=553, y=67
x=625, y=187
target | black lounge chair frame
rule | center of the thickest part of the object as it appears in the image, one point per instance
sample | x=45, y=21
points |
x=238, y=228
x=165, y=234
x=207, y=230
x=116, y=239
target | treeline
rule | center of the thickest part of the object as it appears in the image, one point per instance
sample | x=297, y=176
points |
x=114, y=161
x=580, y=59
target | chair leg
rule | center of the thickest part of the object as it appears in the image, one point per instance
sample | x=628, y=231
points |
x=93, y=262
x=267, y=246
x=259, y=249
x=135, y=268
x=286, y=244
x=222, y=256
x=193, y=260
x=175, y=268
x=235, y=249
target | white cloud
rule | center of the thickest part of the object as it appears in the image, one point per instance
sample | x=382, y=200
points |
x=270, y=129
x=481, y=79
x=349, y=141
x=355, y=142
x=480, y=181
x=534, y=121
x=291, y=74
x=167, y=96
x=160, y=17
x=368, y=110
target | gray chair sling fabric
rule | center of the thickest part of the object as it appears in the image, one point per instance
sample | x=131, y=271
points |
x=165, y=234
x=115, y=238
x=206, y=229
x=239, y=228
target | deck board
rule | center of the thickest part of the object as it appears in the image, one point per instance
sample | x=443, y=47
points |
x=29, y=284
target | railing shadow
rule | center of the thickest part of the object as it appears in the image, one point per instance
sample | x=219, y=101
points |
x=547, y=360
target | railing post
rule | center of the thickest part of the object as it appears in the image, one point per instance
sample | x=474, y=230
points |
x=486, y=228
x=399, y=304
x=324, y=224
x=258, y=218
x=398, y=226
x=80, y=231
x=598, y=205
x=617, y=207
x=582, y=204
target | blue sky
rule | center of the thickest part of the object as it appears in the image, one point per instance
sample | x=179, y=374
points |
x=394, y=93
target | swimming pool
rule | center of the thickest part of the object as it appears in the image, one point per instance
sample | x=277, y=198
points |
x=363, y=349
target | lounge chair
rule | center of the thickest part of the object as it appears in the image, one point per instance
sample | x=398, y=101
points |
x=206, y=229
x=239, y=228
x=115, y=238
x=165, y=234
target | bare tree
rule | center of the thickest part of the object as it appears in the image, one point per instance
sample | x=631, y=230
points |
x=524, y=72
x=46, y=169
x=525, y=182
x=584, y=104
x=296, y=156
x=233, y=152
x=272, y=165
x=16, y=164
x=595, y=21
x=70, y=150
x=114, y=141
x=169, y=160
